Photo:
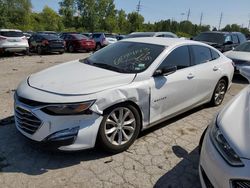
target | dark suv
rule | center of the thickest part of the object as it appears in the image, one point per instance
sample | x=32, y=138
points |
x=223, y=41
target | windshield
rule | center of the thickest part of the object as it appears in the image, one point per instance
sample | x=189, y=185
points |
x=140, y=35
x=80, y=37
x=218, y=38
x=125, y=57
x=11, y=33
x=51, y=37
x=245, y=47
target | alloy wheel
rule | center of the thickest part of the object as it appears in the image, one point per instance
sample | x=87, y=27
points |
x=120, y=126
x=220, y=92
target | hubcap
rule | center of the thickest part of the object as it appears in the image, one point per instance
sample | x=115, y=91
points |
x=219, y=93
x=120, y=126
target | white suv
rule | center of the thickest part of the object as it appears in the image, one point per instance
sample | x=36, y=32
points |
x=13, y=41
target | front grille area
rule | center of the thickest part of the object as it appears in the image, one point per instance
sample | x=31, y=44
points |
x=27, y=121
x=240, y=184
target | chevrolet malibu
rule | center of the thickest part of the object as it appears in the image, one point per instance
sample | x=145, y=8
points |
x=225, y=152
x=109, y=97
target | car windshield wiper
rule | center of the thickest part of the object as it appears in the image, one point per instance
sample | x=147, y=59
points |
x=108, y=67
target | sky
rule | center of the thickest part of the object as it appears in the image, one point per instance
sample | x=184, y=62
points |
x=155, y=10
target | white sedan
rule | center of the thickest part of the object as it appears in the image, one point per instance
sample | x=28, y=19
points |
x=119, y=91
x=225, y=152
x=240, y=56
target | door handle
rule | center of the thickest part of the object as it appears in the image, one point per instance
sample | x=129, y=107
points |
x=215, y=68
x=190, y=76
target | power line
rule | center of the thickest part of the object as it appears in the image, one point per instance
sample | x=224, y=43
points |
x=138, y=7
x=221, y=15
x=201, y=18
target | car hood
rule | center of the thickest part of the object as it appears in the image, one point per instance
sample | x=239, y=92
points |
x=76, y=78
x=244, y=56
x=234, y=122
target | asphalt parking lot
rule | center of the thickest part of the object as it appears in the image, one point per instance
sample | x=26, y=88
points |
x=163, y=156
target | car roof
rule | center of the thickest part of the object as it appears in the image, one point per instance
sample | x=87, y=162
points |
x=163, y=41
x=10, y=30
x=222, y=32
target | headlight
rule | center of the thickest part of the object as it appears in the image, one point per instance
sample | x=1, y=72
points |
x=223, y=147
x=68, y=109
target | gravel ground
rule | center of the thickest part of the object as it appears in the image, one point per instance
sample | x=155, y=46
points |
x=164, y=156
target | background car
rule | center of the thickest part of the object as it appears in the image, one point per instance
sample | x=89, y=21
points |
x=100, y=40
x=89, y=35
x=223, y=41
x=45, y=43
x=12, y=40
x=225, y=151
x=77, y=42
x=120, y=37
x=152, y=34
x=111, y=38
x=124, y=88
x=240, y=55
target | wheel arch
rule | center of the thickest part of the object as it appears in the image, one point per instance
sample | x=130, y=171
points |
x=226, y=79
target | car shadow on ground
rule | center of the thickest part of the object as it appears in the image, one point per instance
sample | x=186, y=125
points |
x=239, y=79
x=185, y=173
x=18, y=155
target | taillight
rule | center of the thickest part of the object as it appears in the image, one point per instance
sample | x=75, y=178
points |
x=45, y=42
x=2, y=38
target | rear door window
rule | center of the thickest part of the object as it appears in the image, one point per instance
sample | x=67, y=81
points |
x=11, y=33
x=235, y=39
x=179, y=57
x=200, y=54
x=215, y=55
x=242, y=38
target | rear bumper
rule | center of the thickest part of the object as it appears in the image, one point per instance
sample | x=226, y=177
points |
x=14, y=49
x=53, y=49
x=85, y=47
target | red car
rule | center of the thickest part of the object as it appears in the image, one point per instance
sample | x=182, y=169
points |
x=77, y=42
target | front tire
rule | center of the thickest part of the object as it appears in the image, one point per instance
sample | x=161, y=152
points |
x=39, y=50
x=71, y=49
x=219, y=93
x=119, y=128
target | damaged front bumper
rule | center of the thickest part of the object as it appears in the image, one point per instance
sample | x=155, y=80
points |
x=66, y=133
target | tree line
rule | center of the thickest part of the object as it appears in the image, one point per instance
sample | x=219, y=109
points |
x=90, y=16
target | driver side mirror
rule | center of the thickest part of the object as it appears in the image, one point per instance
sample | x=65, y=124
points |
x=165, y=71
x=228, y=43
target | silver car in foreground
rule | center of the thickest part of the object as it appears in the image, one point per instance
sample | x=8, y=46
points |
x=12, y=40
x=225, y=152
x=129, y=86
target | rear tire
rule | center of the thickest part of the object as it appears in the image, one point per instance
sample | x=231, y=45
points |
x=39, y=50
x=219, y=93
x=98, y=47
x=119, y=128
x=71, y=49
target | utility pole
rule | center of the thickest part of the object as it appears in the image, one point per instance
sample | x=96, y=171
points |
x=221, y=15
x=138, y=7
x=249, y=25
x=201, y=18
x=188, y=14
